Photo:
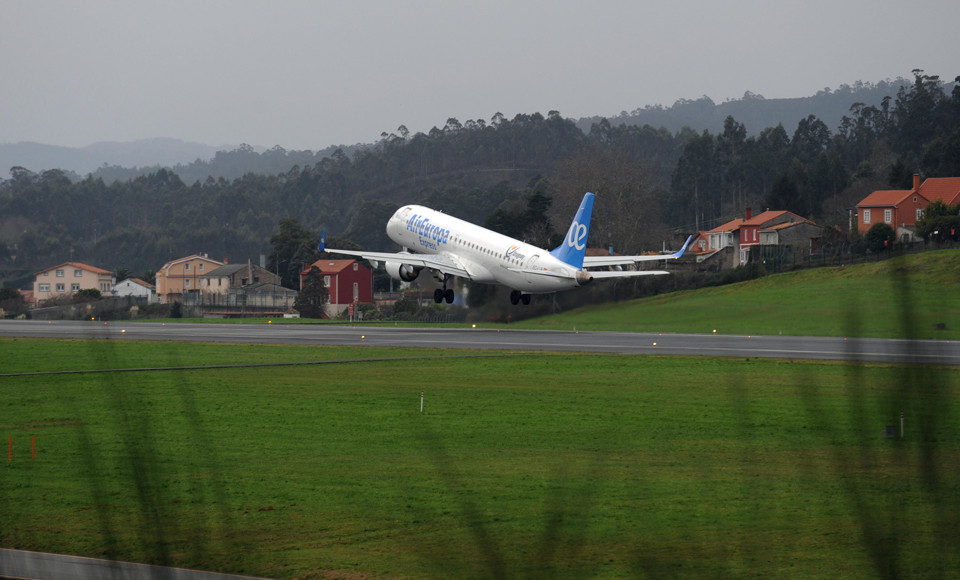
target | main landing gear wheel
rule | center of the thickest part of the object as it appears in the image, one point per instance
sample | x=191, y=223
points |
x=517, y=296
x=525, y=298
x=443, y=294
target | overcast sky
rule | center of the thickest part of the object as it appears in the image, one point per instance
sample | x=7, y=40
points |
x=308, y=74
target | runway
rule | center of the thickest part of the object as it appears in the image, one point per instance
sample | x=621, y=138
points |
x=934, y=352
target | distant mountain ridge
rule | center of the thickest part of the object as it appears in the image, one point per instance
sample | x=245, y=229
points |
x=757, y=113
x=113, y=160
x=164, y=152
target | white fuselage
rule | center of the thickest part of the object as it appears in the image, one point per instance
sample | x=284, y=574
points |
x=489, y=257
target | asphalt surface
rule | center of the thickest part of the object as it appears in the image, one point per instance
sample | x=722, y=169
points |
x=936, y=352
x=40, y=566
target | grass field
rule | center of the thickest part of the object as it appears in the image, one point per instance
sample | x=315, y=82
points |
x=533, y=465
x=904, y=297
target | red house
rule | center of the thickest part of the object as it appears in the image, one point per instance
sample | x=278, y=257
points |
x=347, y=281
x=900, y=208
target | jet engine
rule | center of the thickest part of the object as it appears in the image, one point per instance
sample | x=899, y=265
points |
x=400, y=271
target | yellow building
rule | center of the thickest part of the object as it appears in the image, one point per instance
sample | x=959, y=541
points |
x=69, y=278
x=178, y=278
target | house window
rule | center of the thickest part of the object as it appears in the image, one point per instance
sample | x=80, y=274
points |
x=186, y=283
x=356, y=291
x=888, y=215
x=200, y=267
x=59, y=273
x=78, y=273
x=44, y=287
x=919, y=213
x=356, y=267
x=75, y=287
x=61, y=288
x=326, y=281
x=866, y=216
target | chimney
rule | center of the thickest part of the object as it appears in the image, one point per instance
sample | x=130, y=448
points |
x=749, y=214
x=916, y=182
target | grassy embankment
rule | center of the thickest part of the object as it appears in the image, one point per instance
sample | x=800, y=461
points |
x=533, y=465
x=904, y=297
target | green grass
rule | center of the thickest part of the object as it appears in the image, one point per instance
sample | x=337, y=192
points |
x=904, y=297
x=538, y=465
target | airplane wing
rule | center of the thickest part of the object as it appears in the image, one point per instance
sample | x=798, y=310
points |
x=607, y=274
x=599, y=261
x=440, y=262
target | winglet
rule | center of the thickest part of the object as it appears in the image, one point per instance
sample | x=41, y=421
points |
x=323, y=240
x=683, y=249
x=574, y=246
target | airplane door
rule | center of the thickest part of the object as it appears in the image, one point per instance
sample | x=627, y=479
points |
x=399, y=223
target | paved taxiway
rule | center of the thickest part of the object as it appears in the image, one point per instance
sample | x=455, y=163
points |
x=939, y=352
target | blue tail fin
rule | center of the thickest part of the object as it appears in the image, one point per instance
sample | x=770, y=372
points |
x=574, y=246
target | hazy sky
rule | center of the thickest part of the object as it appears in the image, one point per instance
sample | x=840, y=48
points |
x=308, y=74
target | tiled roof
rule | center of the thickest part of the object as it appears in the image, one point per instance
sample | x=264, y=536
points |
x=191, y=257
x=946, y=189
x=767, y=216
x=331, y=266
x=78, y=265
x=730, y=226
x=886, y=198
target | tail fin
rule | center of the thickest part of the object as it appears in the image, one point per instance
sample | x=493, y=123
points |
x=323, y=241
x=574, y=246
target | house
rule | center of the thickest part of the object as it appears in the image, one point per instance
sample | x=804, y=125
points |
x=347, y=281
x=178, y=278
x=232, y=276
x=901, y=208
x=137, y=288
x=245, y=285
x=784, y=230
x=69, y=278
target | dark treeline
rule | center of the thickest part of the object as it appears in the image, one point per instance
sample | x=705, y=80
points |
x=651, y=183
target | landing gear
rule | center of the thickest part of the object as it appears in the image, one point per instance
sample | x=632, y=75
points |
x=443, y=294
x=516, y=297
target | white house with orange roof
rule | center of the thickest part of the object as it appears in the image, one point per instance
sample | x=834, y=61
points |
x=179, y=277
x=769, y=228
x=69, y=278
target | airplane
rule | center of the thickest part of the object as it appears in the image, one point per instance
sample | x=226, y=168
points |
x=449, y=247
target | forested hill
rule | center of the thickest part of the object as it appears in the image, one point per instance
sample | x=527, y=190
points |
x=755, y=112
x=523, y=176
x=193, y=162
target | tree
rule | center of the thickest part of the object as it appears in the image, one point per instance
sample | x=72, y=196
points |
x=11, y=301
x=940, y=222
x=292, y=246
x=880, y=237
x=87, y=295
x=312, y=297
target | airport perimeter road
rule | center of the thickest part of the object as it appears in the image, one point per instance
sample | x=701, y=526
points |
x=791, y=347
x=39, y=566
